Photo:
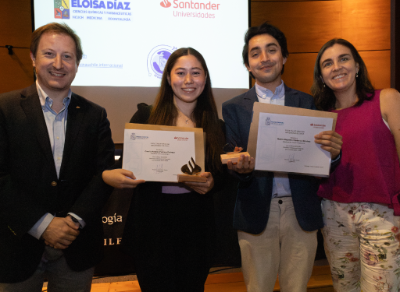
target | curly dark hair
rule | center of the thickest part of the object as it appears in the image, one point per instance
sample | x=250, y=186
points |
x=324, y=97
x=264, y=28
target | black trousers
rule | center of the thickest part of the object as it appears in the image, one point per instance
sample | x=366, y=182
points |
x=174, y=252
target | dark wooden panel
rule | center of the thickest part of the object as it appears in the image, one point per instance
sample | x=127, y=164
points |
x=378, y=65
x=299, y=70
x=18, y=72
x=366, y=23
x=288, y=0
x=15, y=23
x=307, y=25
x=395, y=44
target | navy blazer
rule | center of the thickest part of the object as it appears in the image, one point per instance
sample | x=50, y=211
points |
x=29, y=186
x=255, y=192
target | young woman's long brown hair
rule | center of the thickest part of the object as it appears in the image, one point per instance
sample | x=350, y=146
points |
x=205, y=115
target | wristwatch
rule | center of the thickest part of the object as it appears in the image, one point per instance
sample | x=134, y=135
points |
x=76, y=221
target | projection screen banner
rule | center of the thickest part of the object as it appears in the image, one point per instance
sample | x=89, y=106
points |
x=126, y=44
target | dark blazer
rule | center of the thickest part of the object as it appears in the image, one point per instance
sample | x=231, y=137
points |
x=29, y=186
x=254, y=192
x=143, y=220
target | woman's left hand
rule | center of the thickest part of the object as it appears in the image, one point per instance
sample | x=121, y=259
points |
x=330, y=141
x=121, y=178
x=202, y=187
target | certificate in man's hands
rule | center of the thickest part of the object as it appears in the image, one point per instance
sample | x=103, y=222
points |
x=157, y=153
x=283, y=139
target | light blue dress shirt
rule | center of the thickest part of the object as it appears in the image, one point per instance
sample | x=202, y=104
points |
x=281, y=186
x=56, y=127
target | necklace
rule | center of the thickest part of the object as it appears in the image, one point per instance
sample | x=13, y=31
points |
x=185, y=117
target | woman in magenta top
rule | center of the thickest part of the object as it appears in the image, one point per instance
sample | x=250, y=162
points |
x=361, y=197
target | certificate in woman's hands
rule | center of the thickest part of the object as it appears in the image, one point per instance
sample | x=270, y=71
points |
x=157, y=153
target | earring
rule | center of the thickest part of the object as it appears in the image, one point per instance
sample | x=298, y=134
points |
x=322, y=80
x=356, y=74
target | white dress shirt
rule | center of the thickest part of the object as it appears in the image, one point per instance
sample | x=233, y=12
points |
x=281, y=186
x=56, y=127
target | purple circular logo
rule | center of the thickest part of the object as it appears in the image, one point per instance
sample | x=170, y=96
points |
x=157, y=58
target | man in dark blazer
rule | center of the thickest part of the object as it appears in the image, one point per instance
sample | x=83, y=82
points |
x=277, y=214
x=54, y=146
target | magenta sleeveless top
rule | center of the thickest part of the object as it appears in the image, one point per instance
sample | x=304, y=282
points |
x=369, y=170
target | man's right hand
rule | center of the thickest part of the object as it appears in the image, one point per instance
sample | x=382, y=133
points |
x=61, y=232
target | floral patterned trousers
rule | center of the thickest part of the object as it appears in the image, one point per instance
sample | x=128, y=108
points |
x=362, y=246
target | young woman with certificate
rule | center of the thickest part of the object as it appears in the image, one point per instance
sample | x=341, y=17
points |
x=170, y=227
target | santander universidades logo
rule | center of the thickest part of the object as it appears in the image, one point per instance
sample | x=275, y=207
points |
x=165, y=3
